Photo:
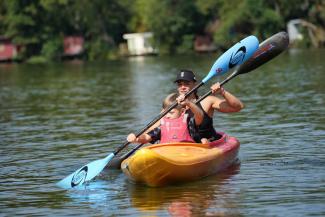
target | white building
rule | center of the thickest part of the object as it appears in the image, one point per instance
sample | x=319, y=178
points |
x=140, y=43
x=295, y=30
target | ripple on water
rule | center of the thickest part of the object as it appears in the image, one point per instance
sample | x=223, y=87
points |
x=54, y=119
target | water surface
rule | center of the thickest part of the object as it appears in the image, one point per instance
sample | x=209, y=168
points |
x=55, y=118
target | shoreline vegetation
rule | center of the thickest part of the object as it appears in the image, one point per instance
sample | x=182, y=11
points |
x=42, y=31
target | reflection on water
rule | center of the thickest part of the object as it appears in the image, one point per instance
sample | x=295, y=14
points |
x=212, y=196
x=55, y=118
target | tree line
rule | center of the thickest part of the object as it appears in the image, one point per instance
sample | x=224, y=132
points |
x=40, y=25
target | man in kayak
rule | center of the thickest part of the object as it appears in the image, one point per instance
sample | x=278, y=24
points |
x=177, y=126
x=225, y=102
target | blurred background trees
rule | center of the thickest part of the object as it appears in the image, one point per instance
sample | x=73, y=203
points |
x=40, y=25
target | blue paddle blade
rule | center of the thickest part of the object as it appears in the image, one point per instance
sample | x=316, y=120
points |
x=85, y=173
x=235, y=56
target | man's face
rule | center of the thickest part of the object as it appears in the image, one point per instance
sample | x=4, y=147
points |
x=184, y=86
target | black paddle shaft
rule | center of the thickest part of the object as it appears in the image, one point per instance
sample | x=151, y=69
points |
x=159, y=117
x=234, y=74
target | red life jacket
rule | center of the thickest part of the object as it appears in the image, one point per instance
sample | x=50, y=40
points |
x=175, y=130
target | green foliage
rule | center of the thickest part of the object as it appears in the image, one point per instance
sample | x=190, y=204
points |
x=245, y=17
x=18, y=20
x=99, y=49
x=139, y=22
x=33, y=26
x=171, y=20
x=37, y=60
x=209, y=7
x=187, y=44
x=2, y=16
x=40, y=26
x=52, y=49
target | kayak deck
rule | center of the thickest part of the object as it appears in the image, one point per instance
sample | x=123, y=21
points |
x=185, y=153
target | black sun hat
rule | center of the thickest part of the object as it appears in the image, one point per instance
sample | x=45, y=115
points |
x=185, y=75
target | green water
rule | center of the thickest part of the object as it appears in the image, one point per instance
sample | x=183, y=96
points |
x=55, y=118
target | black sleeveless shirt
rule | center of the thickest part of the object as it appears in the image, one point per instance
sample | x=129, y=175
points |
x=206, y=129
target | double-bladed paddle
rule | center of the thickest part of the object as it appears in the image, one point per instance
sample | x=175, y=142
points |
x=267, y=50
x=235, y=56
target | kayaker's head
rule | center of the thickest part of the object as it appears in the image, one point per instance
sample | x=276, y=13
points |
x=185, y=81
x=175, y=112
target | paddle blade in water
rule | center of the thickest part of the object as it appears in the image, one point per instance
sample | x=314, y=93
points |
x=267, y=50
x=85, y=173
x=235, y=56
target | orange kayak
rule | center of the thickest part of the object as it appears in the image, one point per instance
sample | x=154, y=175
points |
x=164, y=164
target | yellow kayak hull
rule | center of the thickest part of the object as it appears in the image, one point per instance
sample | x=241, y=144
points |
x=164, y=164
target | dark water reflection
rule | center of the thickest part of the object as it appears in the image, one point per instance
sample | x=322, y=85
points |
x=216, y=198
x=55, y=118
